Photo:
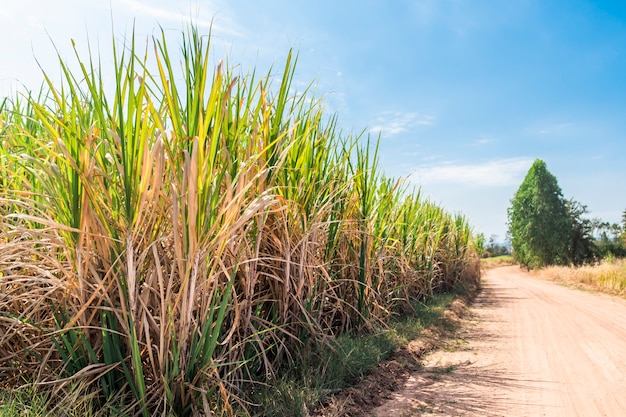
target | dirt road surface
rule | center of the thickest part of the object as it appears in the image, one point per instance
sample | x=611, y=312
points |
x=531, y=348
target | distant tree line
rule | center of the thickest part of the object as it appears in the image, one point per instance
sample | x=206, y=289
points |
x=492, y=248
x=546, y=229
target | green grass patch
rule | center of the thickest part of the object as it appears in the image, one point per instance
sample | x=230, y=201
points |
x=23, y=402
x=29, y=401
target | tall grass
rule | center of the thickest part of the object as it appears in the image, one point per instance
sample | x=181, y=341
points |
x=168, y=240
x=609, y=275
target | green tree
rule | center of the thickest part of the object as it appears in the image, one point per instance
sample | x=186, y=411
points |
x=610, y=238
x=582, y=246
x=495, y=249
x=538, y=220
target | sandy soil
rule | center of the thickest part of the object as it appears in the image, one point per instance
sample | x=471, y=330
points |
x=530, y=348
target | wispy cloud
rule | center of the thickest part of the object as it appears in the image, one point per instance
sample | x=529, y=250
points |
x=394, y=123
x=496, y=173
x=197, y=16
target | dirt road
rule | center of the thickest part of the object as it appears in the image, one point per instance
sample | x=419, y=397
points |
x=532, y=348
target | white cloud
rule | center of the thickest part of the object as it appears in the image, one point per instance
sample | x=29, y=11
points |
x=201, y=16
x=394, y=123
x=136, y=6
x=496, y=173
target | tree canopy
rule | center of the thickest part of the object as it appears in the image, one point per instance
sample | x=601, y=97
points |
x=545, y=229
x=538, y=220
x=582, y=246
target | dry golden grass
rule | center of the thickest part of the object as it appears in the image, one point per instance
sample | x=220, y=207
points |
x=496, y=261
x=608, y=276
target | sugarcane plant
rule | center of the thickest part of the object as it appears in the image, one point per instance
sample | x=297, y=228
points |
x=190, y=228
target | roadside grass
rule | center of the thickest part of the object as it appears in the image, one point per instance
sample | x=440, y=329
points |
x=496, y=261
x=607, y=276
x=327, y=369
x=23, y=402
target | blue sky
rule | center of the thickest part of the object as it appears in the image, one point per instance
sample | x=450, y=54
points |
x=466, y=94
